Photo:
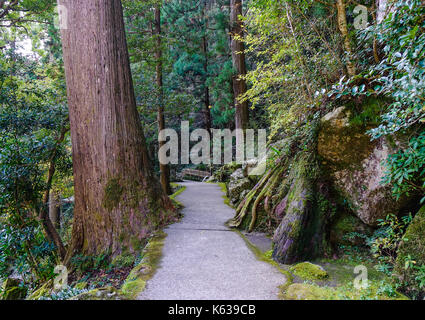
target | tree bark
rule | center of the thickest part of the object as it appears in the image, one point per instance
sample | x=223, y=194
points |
x=342, y=25
x=165, y=169
x=239, y=64
x=118, y=199
x=55, y=209
x=207, y=111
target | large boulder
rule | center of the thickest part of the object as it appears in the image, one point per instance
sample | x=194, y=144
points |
x=356, y=166
x=238, y=186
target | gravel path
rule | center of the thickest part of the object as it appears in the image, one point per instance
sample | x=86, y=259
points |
x=204, y=260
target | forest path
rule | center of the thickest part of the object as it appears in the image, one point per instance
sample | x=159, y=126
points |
x=204, y=260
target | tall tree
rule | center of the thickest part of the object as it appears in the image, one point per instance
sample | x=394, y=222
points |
x=239, y=63
x=165, y=169
x=207, y=104
x=118, y=200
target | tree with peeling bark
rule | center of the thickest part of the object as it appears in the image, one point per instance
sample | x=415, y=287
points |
x=118, y=200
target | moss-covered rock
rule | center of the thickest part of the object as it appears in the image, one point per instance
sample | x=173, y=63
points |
x=355, y=164
x=309, y=271
x=223, y=174
x=412, y=248
x=237, y=189
x=344, y=229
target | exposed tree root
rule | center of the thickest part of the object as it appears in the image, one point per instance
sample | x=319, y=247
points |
x=243, y=207
x=267, y=190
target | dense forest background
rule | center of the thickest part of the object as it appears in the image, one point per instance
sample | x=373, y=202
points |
x=288, y=66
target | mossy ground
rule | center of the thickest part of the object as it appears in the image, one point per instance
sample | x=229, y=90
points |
x=223, y=187
x=178, y=189
x=136, y=281
x=338, y=285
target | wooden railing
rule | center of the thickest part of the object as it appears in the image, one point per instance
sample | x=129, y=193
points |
x=202, y=175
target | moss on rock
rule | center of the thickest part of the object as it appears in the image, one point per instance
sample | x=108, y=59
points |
x=346, y=225
x=309, y=271
x=412, y=248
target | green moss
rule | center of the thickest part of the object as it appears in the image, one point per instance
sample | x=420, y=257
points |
x=136, y=280
x=43, y=291
x=15, y=293
x=81, y=285
x=370, y=113
x=340, y=284
x=113, y=194
x=179, y=191
x=412, y=248
x=309, y=271
x=223, y=187
x=305, y=291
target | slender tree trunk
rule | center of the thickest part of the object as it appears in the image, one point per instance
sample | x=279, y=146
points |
x=165, y=169
x=118, y=200
x=55, y=209
x=239, y=63
x=342, y=24
x=49, y=228
x=207, y=111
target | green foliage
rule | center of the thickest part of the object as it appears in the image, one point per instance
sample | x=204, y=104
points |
x=290, y=57
x=399, y=77
x=406, y=168
x=386, y=241
x=32, y=114
x=64, y=294
x=83, y=263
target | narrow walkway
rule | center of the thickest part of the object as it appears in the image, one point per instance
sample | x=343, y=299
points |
x=204, y=260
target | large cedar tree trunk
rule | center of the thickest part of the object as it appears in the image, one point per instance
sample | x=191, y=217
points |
x=118, y=200
x=165, y=169
x=239, y=64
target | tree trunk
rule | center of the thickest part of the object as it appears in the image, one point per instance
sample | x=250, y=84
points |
x=239, y=64
x=165, y=169
x=342, y=25
x=54, y=209
x=207, y=111
x=118, y=200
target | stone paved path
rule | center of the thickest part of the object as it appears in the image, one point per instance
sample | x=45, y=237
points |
x=204, y=260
